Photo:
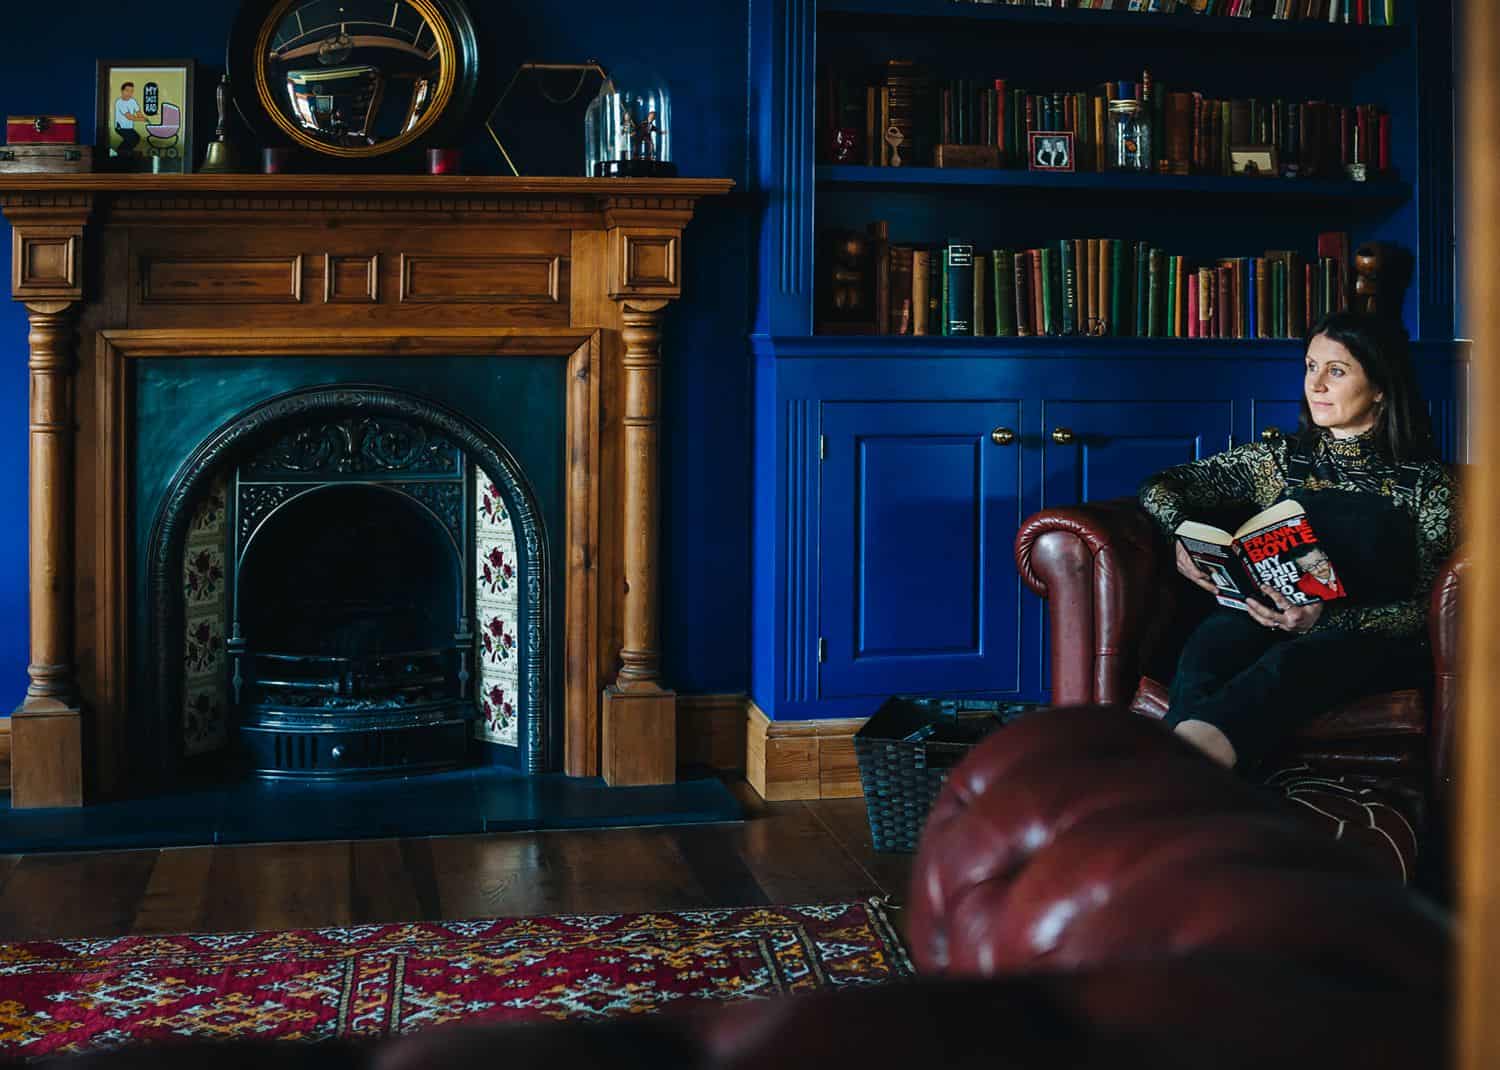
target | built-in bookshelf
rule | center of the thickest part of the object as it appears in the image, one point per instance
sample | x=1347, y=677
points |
x=1068, y=47
x=893, y=470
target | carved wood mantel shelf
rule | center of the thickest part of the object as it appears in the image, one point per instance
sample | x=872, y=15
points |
x=117, y=267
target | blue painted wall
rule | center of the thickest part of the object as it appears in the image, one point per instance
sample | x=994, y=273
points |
x=701, y=51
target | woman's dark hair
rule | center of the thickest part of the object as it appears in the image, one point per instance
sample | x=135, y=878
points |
x=1403, y=430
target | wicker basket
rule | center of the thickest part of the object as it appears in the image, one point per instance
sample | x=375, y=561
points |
x=905, y=753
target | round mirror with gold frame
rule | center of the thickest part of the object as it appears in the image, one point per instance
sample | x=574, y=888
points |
x=353, y=79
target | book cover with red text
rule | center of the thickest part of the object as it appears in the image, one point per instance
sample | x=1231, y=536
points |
x=1275, y=548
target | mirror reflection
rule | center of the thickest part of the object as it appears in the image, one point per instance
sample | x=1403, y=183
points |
x=355, y=73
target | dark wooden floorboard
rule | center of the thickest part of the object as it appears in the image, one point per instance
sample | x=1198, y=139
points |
x=381, y=888
x=278, y=886
x=59, y=895
x=848, y=823
x=785, y=853
x=175, y=895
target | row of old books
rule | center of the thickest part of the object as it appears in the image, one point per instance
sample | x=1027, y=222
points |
x=1109, y=286
x=902, y=118
x=1357, y=12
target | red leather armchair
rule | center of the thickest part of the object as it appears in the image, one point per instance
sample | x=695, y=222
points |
x=1118, y=614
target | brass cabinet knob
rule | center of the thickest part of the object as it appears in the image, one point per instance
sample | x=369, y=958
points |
x=1062, y=436
x=1270, y=434
x=1002, y=436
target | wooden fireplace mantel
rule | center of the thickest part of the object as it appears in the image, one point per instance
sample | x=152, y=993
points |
x=113, y=267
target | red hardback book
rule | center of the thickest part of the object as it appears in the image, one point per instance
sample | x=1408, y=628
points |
x=1334, y=244
x=1038, y=314
x=1224, y=306
x=41, y=130
x=1192, y=305
x=1002, y=105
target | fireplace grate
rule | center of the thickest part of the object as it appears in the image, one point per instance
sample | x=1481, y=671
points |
x=331, y=717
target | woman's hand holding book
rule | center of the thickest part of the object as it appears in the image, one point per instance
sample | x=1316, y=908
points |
x=1285, y=617
x=1196, y=575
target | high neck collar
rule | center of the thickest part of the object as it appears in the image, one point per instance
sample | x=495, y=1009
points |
x=1356, y=446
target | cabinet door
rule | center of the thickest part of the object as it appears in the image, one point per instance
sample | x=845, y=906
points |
x=1268, y=414
x=918, y=513
x=1103, y=449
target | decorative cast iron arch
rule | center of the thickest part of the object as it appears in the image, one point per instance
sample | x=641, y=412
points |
x=254, y=429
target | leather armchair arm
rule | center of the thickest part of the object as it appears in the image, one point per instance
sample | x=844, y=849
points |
x=1108, y=579
x=1442, y=625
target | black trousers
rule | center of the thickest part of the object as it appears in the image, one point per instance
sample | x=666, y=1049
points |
x=1258, y=685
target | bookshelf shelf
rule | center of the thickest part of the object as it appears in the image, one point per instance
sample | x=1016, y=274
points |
x=851, y=177
x=1314, y=34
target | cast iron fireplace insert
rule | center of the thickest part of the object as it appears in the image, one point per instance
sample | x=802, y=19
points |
x=350, y=637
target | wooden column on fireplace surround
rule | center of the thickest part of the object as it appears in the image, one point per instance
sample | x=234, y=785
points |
x=113, y=268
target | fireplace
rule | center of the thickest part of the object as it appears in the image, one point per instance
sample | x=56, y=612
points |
x=375, y=564
x=237, y=383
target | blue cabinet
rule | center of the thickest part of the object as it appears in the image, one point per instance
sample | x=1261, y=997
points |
x=919, y=506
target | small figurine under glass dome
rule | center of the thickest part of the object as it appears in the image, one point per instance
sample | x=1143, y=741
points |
x=628, y=129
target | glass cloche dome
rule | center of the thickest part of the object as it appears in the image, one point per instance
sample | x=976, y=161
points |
x=628, y=128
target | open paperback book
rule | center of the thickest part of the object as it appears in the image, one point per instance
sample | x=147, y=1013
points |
x=1274, y=548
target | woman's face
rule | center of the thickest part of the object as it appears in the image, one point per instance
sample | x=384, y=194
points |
x=1339, y=394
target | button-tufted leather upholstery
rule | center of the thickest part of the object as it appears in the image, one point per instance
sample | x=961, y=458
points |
x=1118, y=613
x=1075, y=838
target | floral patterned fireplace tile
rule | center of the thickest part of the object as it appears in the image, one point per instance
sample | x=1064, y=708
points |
x=496, y=608
x=205, y=718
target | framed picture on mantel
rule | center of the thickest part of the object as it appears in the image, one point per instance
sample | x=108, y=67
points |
x=145, y=116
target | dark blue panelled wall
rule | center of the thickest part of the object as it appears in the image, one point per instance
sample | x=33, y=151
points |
x=701, y=50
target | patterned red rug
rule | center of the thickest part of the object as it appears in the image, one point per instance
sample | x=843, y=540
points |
x=379, y=980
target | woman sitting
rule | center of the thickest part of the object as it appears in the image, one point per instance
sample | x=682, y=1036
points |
x=1364, y=465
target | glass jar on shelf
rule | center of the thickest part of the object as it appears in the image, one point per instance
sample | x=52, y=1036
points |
x=1129, y=136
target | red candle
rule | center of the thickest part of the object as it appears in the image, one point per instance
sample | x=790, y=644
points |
x=443, y=161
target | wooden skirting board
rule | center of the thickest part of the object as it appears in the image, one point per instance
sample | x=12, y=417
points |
x=801, y=759
x=792, y=759
x=782, y=760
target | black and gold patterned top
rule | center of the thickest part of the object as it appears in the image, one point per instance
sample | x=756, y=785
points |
x=1258, y=474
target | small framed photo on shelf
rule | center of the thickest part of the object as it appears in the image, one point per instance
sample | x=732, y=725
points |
x=1256, y=161
x=1051, y=150
x=145, y=115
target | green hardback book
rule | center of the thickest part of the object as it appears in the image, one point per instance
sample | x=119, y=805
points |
x=1142, y=289
x=1069, y=287
x=1155, y=295
x=1049, y=292
x=1118, y=296
x=1170, y=312
x=1003, y=275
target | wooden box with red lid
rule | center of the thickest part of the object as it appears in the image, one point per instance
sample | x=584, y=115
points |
x=41, y=130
